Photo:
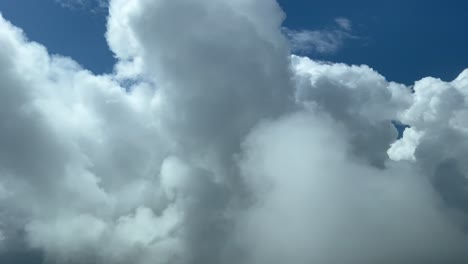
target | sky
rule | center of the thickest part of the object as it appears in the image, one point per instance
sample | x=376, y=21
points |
x=233, y=131
x=403, y=40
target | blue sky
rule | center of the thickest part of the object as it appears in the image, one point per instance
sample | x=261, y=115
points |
x=403, y=40
x=78, y=33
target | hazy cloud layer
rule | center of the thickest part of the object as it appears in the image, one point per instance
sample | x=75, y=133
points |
x=211, y=143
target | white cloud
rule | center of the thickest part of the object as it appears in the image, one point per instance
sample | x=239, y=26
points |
x=403, y=149
x=360, y=98
x=223, y=148
x=344, y=23
x=335, y=208
x=323, y=41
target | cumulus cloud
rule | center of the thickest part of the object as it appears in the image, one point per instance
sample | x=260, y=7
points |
x=321, y=205
x=211, y=143
x=324, y=41
x=404, y=148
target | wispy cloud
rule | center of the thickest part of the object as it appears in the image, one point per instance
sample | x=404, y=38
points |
x=344, y=23
x=324, y=41
x=80, y=4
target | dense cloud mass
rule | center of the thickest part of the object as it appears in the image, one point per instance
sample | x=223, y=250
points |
x=211, y=143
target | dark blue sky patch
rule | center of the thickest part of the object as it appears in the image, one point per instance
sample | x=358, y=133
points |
x=77, y=33
x=400, y=128
x=403, y=40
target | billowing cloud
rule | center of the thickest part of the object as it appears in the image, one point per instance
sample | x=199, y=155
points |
x=211, y=143
x=317, y=203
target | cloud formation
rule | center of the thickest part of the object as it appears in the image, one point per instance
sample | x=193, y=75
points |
x=92, y=5
x=324, y=41
x=211, y=143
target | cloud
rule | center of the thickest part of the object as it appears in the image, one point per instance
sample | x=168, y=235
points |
x=438, y=112
x=92, y=5
x=335, y=208
x=211, y=143
x=324, y=41
x=360, y=98
x=344, y=23
x=404, y=148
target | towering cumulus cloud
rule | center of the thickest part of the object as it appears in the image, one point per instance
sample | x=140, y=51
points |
x=211, y=143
